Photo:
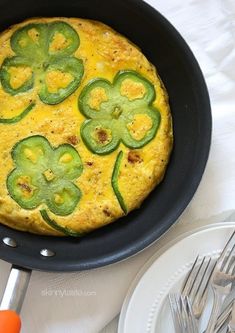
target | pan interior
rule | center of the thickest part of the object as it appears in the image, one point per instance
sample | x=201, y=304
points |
x=190, y=108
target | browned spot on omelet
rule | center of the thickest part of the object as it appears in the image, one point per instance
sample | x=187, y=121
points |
x=102, y=135
x=107, y=212
x=25, y=187
x=134, y=157
x=73, y=139
x=89, y=163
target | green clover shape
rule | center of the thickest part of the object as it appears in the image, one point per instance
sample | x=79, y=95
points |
x=31, y=45
x=45, y=175
x=107, y=125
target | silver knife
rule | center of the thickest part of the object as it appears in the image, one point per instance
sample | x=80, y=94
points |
x=231, y=325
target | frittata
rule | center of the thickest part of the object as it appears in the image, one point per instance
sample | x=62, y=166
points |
x=85, y=126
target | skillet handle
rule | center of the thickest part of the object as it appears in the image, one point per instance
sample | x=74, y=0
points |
x=9, y=321
x=13, y=298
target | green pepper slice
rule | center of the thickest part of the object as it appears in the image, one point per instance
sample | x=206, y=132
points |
x=53, y=224
x=68, y=65
x=63, y=197
x=44, y=174
x=32, y=153
x=100, y=136
x=24, y=189
x=112, y=107
x=6, y=77
x=30, y=41
x=128, y=139
x=32, y=45
x=114, y=181
x=67, y=162
x=19, y=117
x=70, y=36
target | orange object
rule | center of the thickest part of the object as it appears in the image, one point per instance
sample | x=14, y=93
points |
x=9, y=322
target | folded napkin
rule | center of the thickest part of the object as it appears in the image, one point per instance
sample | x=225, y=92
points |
x=85, y=302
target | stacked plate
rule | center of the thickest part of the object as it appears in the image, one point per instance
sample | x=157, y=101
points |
x=146, y=309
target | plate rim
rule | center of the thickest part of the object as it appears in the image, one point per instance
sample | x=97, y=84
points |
x=144, y=269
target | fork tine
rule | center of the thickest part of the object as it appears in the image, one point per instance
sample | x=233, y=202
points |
x=231, y=266
x=175, y=312
x=221, y=281
x=202, y=278
x=197, y=279
x=224, y=317
x=227, y=262
x=224, y=252
x=193, y=325
x=202, y=291
x=180, y=313
x=188, y=317
x=189, y=278
x=184, y=313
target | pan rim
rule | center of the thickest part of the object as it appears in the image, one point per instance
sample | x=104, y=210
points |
x=48, y=264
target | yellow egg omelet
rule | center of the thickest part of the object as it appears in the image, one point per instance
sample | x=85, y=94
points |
x=85, y=126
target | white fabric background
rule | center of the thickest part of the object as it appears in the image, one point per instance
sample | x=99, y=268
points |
x=208, y=26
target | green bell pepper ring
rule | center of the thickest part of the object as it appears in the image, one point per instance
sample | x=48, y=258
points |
x=53, y=224
x=70, y=36
x=69, y=65
x=17, y=118
x=32, y=45
x=100, y=136
x=44, y=174
x=114, y=181
x=110, y=108
x=6, y=77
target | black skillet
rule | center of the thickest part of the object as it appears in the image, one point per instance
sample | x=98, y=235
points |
x=190, y=106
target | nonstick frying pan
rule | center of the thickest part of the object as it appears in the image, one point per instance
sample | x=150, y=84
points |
x=190, y=106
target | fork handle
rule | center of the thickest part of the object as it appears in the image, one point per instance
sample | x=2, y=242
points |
x=218, y=298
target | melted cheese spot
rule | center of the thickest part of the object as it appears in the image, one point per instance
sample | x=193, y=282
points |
x=66, y=158
x=139, y=126
x=58, y=199
x=30, y=155
x=97, y=96
x=59, y=42
x=34, y=35
x=56, y=80
x=24, y=183
x=19, y=75
x=23, y=42
x=132, y=90
x=102, y=135
x=49, y=175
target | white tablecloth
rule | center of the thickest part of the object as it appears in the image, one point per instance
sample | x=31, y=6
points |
x=85, y=302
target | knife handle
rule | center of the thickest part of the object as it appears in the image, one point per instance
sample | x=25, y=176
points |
x=9, y=321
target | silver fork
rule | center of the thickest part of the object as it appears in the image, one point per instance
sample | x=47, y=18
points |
x=196, y=284
x=183, y=318
x=224, y=317
x=222, y=279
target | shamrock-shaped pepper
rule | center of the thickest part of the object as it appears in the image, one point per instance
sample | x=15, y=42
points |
x=112, y=108
x=45, y=175
x=42, y=49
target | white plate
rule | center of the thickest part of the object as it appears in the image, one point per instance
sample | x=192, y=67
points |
x=145, y=309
